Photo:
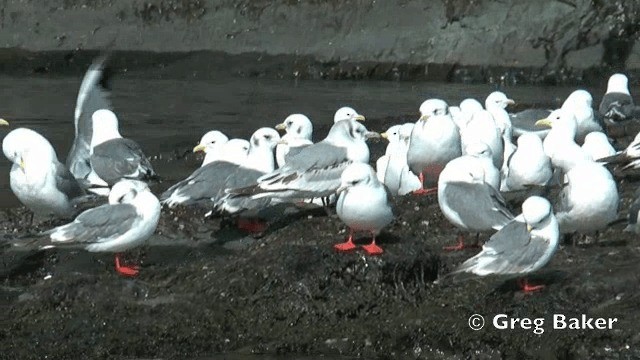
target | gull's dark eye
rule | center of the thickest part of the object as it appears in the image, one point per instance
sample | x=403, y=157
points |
x=268, y=137
x=355, y=182
x=289, y=123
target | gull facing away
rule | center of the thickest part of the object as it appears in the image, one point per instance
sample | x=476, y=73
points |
x=363, y=205
x=114, y=157
x=617, y=104
x=92, y=96
x=467, y=201
x=524, y=245
x=315, y=171
x=589, y=201
x=597, y=145
x=435, y=140
x=130, y=217
x=580, y=104
x=528, y=165
x=37, y=178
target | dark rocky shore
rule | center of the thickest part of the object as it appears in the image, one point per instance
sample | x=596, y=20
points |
x=206, y=288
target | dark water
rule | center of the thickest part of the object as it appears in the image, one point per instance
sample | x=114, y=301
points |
x=164, y=115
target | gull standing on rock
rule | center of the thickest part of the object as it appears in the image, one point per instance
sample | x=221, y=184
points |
x=114, y=157
x=589, y=201
x=130, y=217
x=523, y=246
x=315, y=171
x=435, y=140
x=397, y=176
x=299, y=131
x=363, y=205
x=92, y=96
x=393, y=136
x=467, y=201
x=37, y=178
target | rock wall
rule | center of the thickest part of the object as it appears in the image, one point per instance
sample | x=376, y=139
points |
x=549, y=35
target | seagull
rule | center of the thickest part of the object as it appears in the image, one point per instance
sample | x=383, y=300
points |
x=363, y=205
x=92, y=96
x=597, y=145
x=559, y=144
x=393, y=136
x=495, y=104
x=528, y=165
x=114, y=157
x=211, y=145
x=617, y=104
x=524, y=245
x=299, y=131
x=483, y=128
x=130, y=217
x=580, y=103
x=435, y=140
x=396, y=173
x=589, y=201
x=467, y=201
x=37, y=178
x=208, y=183
x=347, y=113
x=315, y=171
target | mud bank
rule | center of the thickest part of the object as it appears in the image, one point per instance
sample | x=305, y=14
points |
x=206, y=288
x=514, y=41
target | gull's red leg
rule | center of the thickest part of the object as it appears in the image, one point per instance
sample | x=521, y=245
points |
x=422, y=190
x=529, y=288
x=253, y=226
x=373, y=248
x=125, y=270
x=347, y=245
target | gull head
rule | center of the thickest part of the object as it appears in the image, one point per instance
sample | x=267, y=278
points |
x=478, y=149
x=432, y=107
x=105, y=127
x=618, y=83
x=529, y=141
x=125, y=191
x=210, y=141
x=499, y=99
x=347, y=113
x=298, y=126
x=25, y=147
x=392, y=134
x=405, y=132
x=535, y=210
x=265, y=137
x=356, y=174
x=561, y=119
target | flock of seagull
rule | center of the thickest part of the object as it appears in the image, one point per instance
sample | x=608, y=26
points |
x=472, y=156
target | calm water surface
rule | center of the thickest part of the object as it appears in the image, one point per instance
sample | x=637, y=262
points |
x=165, y=115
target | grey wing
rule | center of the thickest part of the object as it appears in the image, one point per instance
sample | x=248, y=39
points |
x=92, y=96
x=314, y=171
x=479, y=207
x=99, y=224
x=512, y=250
x=66, y=182
x=203, y=184
x=294, y=151
x=120, y=158
x=240, y=178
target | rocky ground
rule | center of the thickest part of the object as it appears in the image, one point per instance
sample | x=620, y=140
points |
x=206, y=288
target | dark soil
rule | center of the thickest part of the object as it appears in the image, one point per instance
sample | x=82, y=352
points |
x=206, y=288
